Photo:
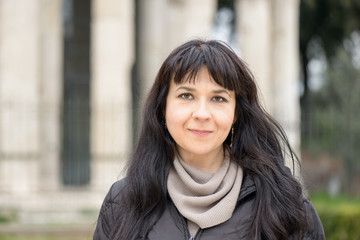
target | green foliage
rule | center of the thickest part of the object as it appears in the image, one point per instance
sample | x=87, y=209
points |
x=340, y=216
x=324, y=25
x=8, y=215
x=330, y=20
x=333, y=117
x=226, y=3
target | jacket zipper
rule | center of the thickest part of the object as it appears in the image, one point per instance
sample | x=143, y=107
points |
x=196, y=235
x=246, y=192
x=188, y=236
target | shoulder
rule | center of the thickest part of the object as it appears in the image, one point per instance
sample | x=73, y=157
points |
x=115, y=191
x=113, y=195
x=107, y=216
x=315, y=228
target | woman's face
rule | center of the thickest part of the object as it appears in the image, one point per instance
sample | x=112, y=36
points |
x=199, y=116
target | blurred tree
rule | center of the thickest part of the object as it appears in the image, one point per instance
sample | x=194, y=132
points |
x=326, y=23
x=330, y=115
x=229, y=4
x=226, y=3
x=336, y=117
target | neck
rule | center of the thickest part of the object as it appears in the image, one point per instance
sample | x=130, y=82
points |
x=209, y=162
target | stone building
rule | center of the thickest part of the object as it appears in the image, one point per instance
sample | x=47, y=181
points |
x=69, y=98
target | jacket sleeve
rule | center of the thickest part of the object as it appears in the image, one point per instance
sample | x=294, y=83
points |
x=315, y=228
x=106, y=220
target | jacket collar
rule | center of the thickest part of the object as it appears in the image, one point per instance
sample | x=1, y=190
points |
x=247, y=187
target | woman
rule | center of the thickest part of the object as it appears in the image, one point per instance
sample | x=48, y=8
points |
x=209, y=163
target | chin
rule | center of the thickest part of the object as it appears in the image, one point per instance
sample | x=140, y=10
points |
x=200, y=151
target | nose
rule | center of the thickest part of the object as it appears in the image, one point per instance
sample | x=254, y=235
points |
x=202, y=111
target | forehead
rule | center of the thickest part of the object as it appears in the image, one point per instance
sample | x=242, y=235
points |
x=202, y=78
x=222, y=63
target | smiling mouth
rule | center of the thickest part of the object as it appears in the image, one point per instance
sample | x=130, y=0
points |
x=200, y=132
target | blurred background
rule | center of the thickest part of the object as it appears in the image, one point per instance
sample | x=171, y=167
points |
x=74, y=75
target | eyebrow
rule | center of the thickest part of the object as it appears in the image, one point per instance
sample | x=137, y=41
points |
x=185, y=88
x=193, y=90
x=222, y=91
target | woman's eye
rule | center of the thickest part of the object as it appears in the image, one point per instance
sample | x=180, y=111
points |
x=219, y=99
x=186, y=96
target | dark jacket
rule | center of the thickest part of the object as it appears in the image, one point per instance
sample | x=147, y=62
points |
x=172, y=226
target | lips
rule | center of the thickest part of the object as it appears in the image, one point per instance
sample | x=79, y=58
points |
x=201, y=133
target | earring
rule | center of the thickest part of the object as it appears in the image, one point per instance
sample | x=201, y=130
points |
x=232, y=136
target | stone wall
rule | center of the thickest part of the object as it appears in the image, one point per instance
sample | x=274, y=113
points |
x=268, y=41
x=20, y=64
x=31, y=84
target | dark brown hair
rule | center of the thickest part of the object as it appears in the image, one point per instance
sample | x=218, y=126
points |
x=257, y=147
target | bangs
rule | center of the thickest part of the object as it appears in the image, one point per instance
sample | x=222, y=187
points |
x=220, y=64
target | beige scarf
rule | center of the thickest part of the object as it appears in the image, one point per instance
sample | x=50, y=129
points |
x=204, y=199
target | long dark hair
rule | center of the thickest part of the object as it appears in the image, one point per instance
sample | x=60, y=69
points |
x=258, y=147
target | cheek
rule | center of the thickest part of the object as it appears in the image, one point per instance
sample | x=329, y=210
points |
x=226, y=123
x=225, y=119
x=172, y=114
x=174, y=124
x=175, y=116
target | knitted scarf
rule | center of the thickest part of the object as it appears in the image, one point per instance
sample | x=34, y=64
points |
x=204, y=199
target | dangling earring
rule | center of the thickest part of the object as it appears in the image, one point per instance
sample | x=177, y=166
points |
x=232, y=136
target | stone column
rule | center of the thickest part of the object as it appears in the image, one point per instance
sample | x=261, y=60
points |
x=254, y=36
x=112, y=58
x=285, y=67
x=51, y=53
x=164, y=25
x=152, y=40
x=19, y=95
x=187, y=20
x=199, y=18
